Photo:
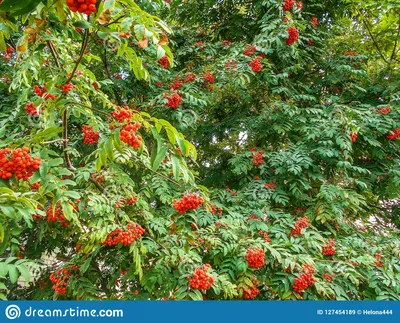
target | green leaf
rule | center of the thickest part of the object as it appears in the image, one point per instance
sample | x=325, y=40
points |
x=12, y=273
x=158, y=159
x=82, y=24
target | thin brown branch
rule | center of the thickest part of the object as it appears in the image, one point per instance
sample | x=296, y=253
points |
x=114, y=21
x=82, y=52
x=98, y=186
x=395, y=43
x=88, y=107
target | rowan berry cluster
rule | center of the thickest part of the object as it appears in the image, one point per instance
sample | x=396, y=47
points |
x=226, y=43
x=201, y=279
x=299, y=225
x=214, y=209
x=249, y=50
x=314, y=21
x=90, y=137
x=231, y=64
x=299, y=5
x=125, y=236
x=128, y=201
x=128, y=135
x=264, y=235
x=174, y=100
x=305, y=280
x=383, y=110
x=350, y=53
x=189, y=201
x=158, y=84
x=394, y=134
x=258, y=158
x=288, y=5
x=379, y=261
x=31, y=109
x=18, y=162
x=328, y=277
x=255, y=65
x=41, y=92
x=164, y=62
x=353, y=136
x=329, y=248
x=293, y=35
x=271, y=185
x=176, y=84
x=255, y=257
x=60, y=278
x=208, y=77
x=56, y=214
x=67, y=87
x=199, y=44
x=250, y=293
x=82, y=6
x=35, y=186
x=189, y=77
x=98, y=177
x=122, y=114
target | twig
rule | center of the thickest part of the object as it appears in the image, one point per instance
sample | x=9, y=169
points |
x=83, y=49
x=114, y=21
x=88, y=107
x=52, y=141
x=105, y=62
x=98, y=186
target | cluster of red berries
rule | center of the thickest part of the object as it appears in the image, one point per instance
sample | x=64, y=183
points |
x=394, y=134
x=164, y=62
x=353, y=136
x=122, y=114
x=379, y=261
x=305, y=280
x=231, y=64
x=271, y=185
x=31, y=109
x=258, y=158
x=255, y=65
x=208, y=77
x=199, y=44
x=90, y=137
x=60, y=278
x=255, y=257
x=329, y=248
x=189, y=201
x=226, y=43
x=383, y=110
x=288, y=5
x=189, y=77
x=176, y=84
x=293, y=35
x=98, y=177
x=125, y=236
x=327, y=276
x=35, y=186
x=299, y=5
x=41, y=91
x=18, y=162
x=7, y=54
x=83, y=6
x=264, y=235
x=128, y=135
x=201, y=279
x=249, y=50
x=56, y=214
x=299, y=225
x=158, y=84
x=314, y=21
x=174, y=100
x=250, y=293
x=298, y=209
x=128, y=201
x=350, y=53
x=214, y=209
x=67, y=87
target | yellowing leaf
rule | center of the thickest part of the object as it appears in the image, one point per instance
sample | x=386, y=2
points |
x=22, y=48
x=104, y=17
x=164, y=40
x=143, y=43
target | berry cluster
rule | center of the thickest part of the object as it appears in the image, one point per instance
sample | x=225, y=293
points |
x=158, y=84
x=128, y=201
x=394, y=134
x=255, y=65
x=350, y=53
x=299, y=5
x=255, y=257
x=174, y=100
x=214, y=209
x=264, y=235
x=176, y=84
x=128, y=135
x=208, y=77
x=98, y=178
x=41, y=92
x=353, y=136
x=231, y=64
x=327, y=276
x=35, y=186
x=18, y=162
x=31, y=109
x=379, y=261
x=226, y=43
x=189, y=77
x=67, y=87
x=83, y=6
x=383, y=110
x=305, y=280
x=250, y=50
x=288, y=5
x=56, y=214
x=90, y=137
x=329, y=248
x=125, y=236
x=199, y=44
x=271, y=185
x=60, y=278
x=189, y=201
x=201, y=279
x=293, y=35
x=299, y=225
x=122, y=114
x=250, y=293
x=258, y=158
x=164, y=62
x=314, y=21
